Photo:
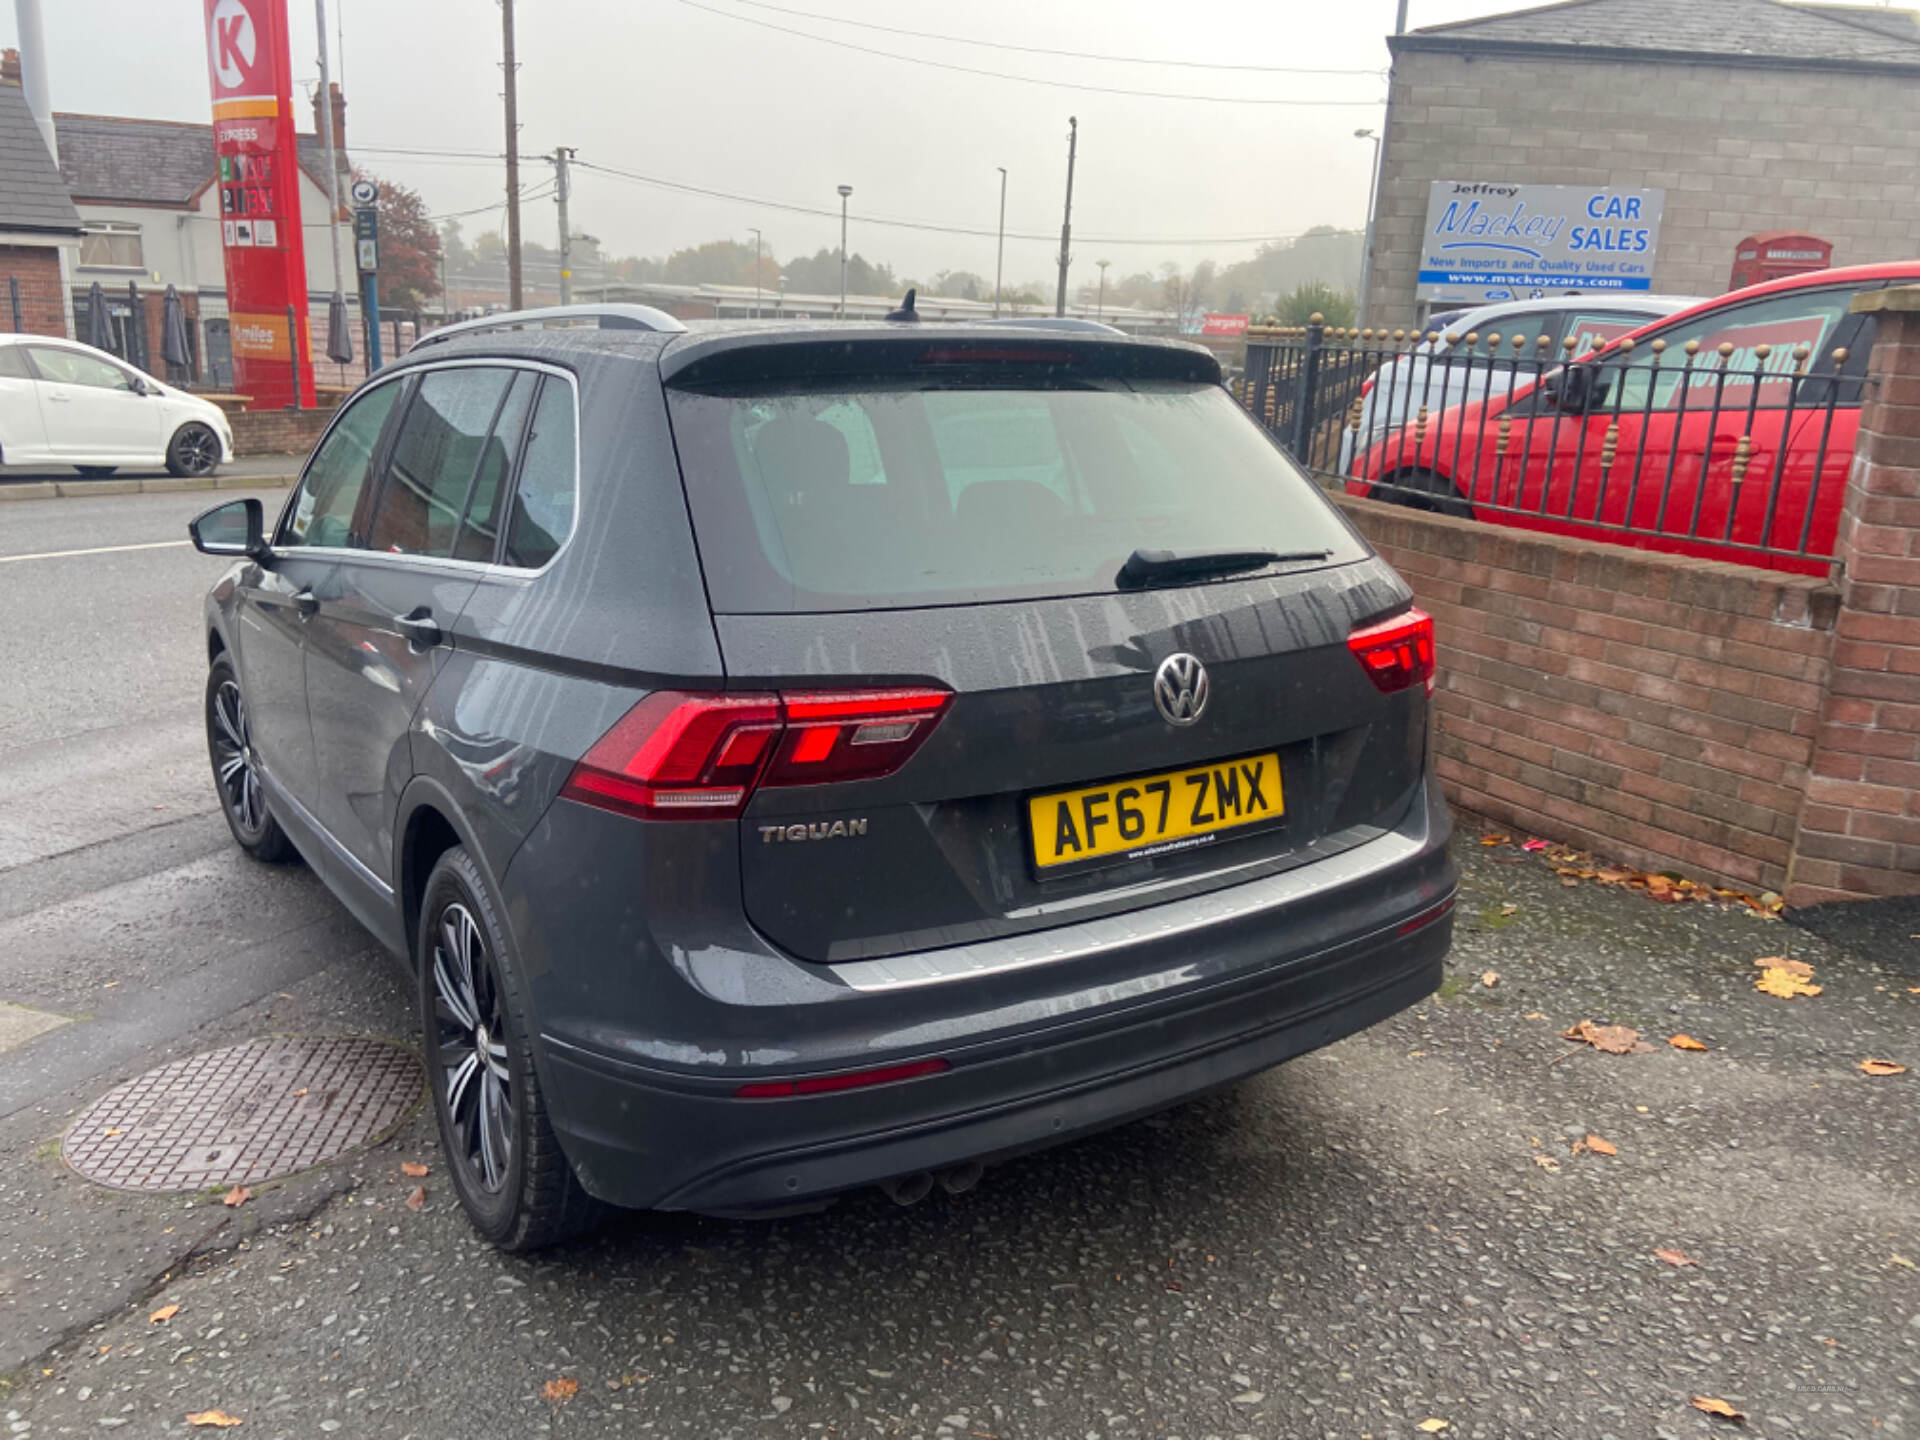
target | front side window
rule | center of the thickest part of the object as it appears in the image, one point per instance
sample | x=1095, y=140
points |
x=336, y=477
x=435, y=457
x=109, y=245
x=76, y=367
x=1762, y=340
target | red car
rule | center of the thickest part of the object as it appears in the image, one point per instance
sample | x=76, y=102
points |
x=1725, y=431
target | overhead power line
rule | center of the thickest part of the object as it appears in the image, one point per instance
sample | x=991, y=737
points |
x=925, y=225
x=1020, y=79
x=1043, y=50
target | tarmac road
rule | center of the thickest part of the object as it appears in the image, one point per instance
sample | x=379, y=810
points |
x=1364, y=1241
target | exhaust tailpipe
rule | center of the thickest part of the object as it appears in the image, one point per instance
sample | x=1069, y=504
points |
x=908, y=1189
x=959, y=1179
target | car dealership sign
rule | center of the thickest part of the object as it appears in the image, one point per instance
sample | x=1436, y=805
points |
x=1487, y=242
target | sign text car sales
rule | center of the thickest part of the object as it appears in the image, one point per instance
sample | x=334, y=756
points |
x=1512, y=242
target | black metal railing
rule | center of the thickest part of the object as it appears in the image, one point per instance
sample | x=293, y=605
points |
x=1738, y=452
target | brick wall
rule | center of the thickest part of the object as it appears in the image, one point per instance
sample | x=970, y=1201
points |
x=1738, y=151
x=37, y=267
x=277, y=432
x=1860, y=831
x=1658, y=709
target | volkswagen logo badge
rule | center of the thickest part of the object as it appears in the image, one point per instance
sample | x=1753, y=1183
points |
x=1180, y=689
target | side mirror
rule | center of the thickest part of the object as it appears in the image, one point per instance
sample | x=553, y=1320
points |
x=234, y=529
x=1570, y=388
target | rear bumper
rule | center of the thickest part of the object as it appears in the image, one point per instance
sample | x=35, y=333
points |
x=996, y=1109
x=1100, y=1025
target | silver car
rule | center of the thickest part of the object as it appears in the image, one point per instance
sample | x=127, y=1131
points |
x=1452, y=372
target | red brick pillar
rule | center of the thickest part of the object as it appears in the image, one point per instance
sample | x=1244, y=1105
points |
x=1860, y=825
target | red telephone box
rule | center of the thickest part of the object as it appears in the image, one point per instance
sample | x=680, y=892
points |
x=1778, y=253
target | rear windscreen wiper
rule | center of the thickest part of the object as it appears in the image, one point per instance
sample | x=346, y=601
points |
x=1160, y=567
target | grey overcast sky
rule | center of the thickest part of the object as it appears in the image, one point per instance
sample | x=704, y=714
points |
x=690, y=91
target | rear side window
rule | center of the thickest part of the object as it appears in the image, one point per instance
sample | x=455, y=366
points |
x=986, y=491
x=543, y=505
x=1761, y=337
x=13, y=363
x=435, y=456
x=336, y=477
x=480, y=532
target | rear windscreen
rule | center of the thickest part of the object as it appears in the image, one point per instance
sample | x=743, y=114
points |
x=880, y=495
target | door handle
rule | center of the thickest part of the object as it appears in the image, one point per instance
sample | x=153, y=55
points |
x=59, y=397
x=419, y=626
x=306, y=604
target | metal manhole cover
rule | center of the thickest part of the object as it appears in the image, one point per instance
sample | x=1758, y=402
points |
x=244, y=1114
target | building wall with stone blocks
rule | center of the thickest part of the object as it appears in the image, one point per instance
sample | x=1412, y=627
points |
x=1738, y=150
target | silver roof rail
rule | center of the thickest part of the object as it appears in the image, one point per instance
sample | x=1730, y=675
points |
x=605, y=317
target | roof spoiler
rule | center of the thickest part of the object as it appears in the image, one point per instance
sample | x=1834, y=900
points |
x=604, y=317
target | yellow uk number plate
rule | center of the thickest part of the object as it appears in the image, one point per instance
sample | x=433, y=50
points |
x=1154, y=814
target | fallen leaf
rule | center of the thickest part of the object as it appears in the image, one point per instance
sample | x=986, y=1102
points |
x=418, y=1198
x=1546, y=1162
x=1601, y=1147
x=1901, y=1260
x=300, y=1092
x=1614, y=875
x=1494, y=839
x=218, y=1419
x=1882, y=1067
x=1781, y=962
x=109, y=1134
x=163, y=1314
x=1432, y=1427
x=238, y=1195
x=1509, y=909
x=1913, y=990
x=1778, y=980
x=561, y=1390
x=1534, y=1015
x=1721, y=1408
x=1490, y=979
x=1684, y=1042
x=1677, y=1258
x=1613, y=1039
x=413, y=1169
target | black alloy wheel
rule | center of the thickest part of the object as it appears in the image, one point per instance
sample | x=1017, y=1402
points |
x=194, y=450
x=236, y=768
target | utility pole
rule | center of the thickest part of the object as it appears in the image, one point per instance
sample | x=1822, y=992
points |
x=339, y=345
x=562, y=183
x=845, y=191
x=1066, y=224
x=511, y=69
x=756, y=274
x=1000, y=255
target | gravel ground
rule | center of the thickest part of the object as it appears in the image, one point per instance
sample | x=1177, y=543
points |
x=1393, y=1231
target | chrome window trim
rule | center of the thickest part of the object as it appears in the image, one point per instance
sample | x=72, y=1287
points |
x=436, y=562
x=1151, y=924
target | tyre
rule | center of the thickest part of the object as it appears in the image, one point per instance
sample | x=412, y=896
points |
x=236, y=773
x=194, y=450
x=1424, y=490
x=515, y=1184
x=96, y=472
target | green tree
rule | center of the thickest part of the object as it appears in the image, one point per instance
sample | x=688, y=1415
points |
x=1305, y=301
x=819, y=274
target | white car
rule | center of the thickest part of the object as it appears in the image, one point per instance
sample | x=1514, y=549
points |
x=1443, y=375
x=64, y=403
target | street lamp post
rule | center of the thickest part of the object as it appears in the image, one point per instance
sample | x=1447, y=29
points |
x=1000, y=254
x=845, y=191
x=756, y=274
x=1366, y=248
x=1100, y=304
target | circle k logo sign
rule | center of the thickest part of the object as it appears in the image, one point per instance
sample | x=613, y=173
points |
x=233, y=43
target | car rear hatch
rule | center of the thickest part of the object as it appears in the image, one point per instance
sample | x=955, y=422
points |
x=998, y=716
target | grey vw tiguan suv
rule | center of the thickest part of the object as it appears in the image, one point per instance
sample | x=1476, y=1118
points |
x=794, y=757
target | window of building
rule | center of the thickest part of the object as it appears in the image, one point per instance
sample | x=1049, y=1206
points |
x=111, y=245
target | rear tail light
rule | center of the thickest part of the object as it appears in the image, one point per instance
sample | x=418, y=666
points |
x=1398, y=653
x=1366, y=385
x=685, y=756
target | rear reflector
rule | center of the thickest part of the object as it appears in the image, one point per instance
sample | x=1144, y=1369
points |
x=1398, y=653
x=1425, y=917
x=851, y=1080
x=678, y=755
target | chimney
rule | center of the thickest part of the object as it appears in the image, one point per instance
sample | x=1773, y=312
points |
x=10, y=66
x=339, y=118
